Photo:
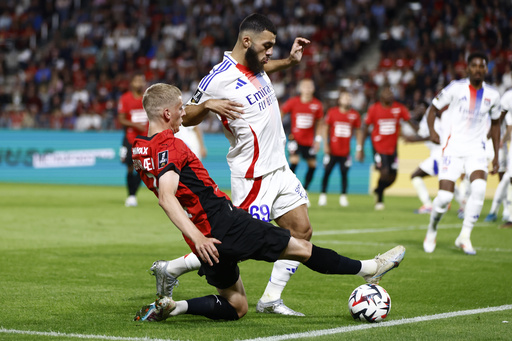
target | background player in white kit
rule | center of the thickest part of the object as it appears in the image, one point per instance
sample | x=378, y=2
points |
x=464, y=129
x=429, y=166
x=506, y=107
x=241, y=93
x=500, y=195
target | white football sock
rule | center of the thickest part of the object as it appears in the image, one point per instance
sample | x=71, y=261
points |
x=464, y=192
x=508, y=200
x=500, y=194
x=368, y=267
x=422, y=191
x=473, y=207
x=439, y=208
x=281, y=274
x=181, y=308
x=183, y=264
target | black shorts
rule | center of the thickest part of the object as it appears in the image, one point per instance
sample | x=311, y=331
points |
x=386, y=162
x=306, y=152
x=243, y=237
x=125, y=153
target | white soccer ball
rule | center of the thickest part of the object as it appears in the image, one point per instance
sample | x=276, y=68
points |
x=369, y=302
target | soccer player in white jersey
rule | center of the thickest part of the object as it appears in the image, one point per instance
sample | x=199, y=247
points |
x=500, y=195
x=506, y=107
x=429, y=166
x=464, y=132
x=240, y=92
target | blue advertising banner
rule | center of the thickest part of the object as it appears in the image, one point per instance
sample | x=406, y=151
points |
x=92, y=158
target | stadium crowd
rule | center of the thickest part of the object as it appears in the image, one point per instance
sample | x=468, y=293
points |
x=65, y=63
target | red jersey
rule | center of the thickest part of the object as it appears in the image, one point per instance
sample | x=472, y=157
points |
x=134, y=111
x=386, y=125
x=341, y=126
x=303, y=118
x=197, y=192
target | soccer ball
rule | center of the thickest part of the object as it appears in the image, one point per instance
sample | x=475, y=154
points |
x=369, y=302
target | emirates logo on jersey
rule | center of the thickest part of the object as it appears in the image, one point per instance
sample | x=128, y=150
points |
x=163, y=158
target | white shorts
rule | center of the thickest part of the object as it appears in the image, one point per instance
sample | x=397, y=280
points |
x=430, y=166
x=453, y=166
x=270, y=196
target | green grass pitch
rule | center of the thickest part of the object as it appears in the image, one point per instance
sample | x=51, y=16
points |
x=74, y=265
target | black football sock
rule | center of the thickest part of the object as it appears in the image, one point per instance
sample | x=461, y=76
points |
x=293, y=167
x=133, y=180
x=327, y=261
x=213, y=306
x=309, y=176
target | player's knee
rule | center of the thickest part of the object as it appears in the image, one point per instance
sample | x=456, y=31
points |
x=242, y=309
x=478, y=189
x=444, y=198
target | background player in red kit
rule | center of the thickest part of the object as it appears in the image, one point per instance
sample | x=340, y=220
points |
x=385, y=117
x=306, y=113
x=217, y=232
x=340, y=124
x=133, y=118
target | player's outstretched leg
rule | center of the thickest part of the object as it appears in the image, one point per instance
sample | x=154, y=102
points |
x=271, y=302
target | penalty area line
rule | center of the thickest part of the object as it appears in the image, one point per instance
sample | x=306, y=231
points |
x=78, y=336
x=348, y=329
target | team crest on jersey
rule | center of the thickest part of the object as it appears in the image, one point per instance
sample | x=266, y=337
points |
x=197, y=96
x=487, y=101
x=163, y=157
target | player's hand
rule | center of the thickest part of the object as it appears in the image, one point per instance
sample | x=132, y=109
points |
x=316, y=146
x=495, y=166
x=360, y=156
x=206, y=250
x=225, y=107
x=434, y=137
x=298, y=49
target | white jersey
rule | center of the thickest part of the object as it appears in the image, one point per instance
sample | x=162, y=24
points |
x=506, y=102
x=257, y=140
x=465, y=122
x=189, y=136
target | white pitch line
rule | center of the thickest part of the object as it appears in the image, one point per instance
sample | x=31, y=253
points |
x=386, y=229
x=79, y=336
x=349, y=242
x=280, y=337
x=340, y=330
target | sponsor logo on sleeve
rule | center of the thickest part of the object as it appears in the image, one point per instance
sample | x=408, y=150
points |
x=197, y=96
x=163, y=158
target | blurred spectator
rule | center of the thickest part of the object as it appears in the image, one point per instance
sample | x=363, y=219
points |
x=90, y=49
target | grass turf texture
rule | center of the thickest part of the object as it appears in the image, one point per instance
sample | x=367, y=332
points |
x=74, y=260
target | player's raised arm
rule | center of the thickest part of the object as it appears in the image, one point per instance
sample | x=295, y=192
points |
x=294, y=58
x=197, y=113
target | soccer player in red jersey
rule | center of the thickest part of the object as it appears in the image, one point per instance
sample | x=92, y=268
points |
x=385, y=117
x=134, y=120
x=306, y=113
x=341, y=123
x=219, y=233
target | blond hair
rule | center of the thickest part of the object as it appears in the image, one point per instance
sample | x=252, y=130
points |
x=157, y=97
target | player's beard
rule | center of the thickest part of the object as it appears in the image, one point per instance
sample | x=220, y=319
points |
x=253, y=63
